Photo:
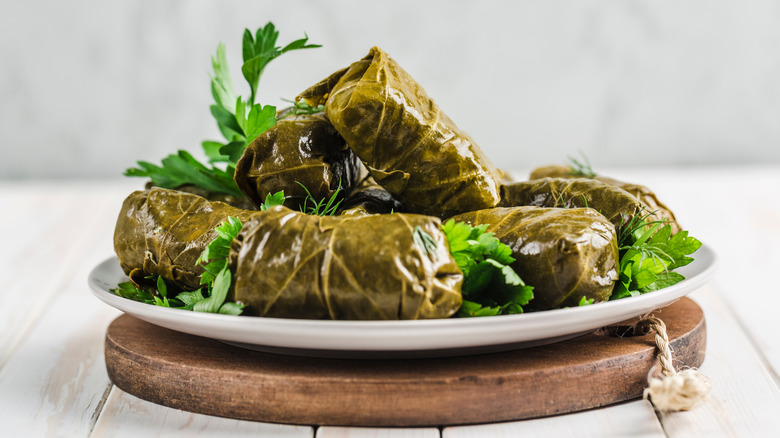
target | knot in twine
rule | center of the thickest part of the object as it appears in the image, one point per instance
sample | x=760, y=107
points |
x=673, y=391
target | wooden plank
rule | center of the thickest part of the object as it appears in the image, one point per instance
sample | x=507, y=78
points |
x=48, y=235
x=745, y=400
x=55, y=382
x=127, y=416
x=635, y=419
x=32, y=243
x=368, y=432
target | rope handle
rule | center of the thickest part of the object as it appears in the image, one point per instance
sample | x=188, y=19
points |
x=672, y=391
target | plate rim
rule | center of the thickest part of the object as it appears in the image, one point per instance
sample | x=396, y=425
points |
x=358, y=335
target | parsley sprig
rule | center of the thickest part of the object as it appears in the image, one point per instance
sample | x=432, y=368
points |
x=490, y=286
x=648, y=256
x=239, y=120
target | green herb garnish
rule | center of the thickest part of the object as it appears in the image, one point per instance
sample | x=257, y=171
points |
x=581, y=168
x=303, y=108
x=260, y=49
x=585, y=301
x=129, y=290
x=239, y=120
x=272, y=200
x=648, y=255
x=182, y=168
x=490, y=286
x=215, y=257
x=323, y=207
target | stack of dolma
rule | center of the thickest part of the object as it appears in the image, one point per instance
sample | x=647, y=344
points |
x=406, y=142
x=399, y=166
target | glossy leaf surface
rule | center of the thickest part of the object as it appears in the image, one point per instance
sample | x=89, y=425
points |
x=291, y=265
x=163, y=232
x=407, y=143
x=644, y=194
x=299, y=150
x=565, y=254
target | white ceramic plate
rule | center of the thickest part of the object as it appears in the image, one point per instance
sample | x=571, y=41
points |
x=383, y=339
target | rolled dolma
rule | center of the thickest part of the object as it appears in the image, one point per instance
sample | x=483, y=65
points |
x=565, y=254
x=408, y=144
x=291, y=265
x=163, y=232
x=644, y=194
x=617, y=205
x=298, y=150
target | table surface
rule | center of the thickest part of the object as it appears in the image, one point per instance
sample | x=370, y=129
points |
x=53, y=380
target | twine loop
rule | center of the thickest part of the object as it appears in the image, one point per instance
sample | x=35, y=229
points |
x=672, y=391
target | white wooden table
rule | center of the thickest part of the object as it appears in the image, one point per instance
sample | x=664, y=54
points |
x=53, y=380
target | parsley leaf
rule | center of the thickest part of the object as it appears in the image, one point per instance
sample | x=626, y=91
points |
x=217, y=275
x=219, y=291
x=490, y=285
x=260, y=49
x=182, y=168
x=191, y=298
x=221, y=82
x=272, y=200
x=215, y=256
x=648, y=255
x=239, y=120
x=129, y=290
x=258, y=120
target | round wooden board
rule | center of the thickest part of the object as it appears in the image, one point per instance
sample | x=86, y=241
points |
x=206, y=376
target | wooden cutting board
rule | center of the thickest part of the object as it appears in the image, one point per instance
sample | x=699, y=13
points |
x=206, y=376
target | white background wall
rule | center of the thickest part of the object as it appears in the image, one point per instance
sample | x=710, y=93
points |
x=87, y=87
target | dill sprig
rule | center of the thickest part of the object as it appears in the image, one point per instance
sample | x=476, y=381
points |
x=581, y=168
x=323, y=207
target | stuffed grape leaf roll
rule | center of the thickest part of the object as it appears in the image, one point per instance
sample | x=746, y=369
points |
x=644, y=194
x=163, y=232
x=565, y=254
x=408, y=144
x=291, y=265
x=299, y=151
x=617, y=205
